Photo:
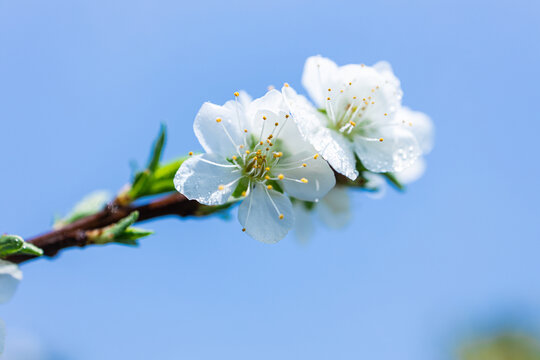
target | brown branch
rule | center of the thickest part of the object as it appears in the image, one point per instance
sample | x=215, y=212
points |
x=74, y=234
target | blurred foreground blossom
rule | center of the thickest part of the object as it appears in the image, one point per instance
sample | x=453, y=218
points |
x=10, y=275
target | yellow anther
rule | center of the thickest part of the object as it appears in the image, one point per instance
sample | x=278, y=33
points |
x=340, y=91
x=190, y=153
x=236, y=94
x=381, y=139
x=267, y=149
x=244, y=229
x=276, y=124
x=247, y=151
x=376, y=87
x=264, y=117
x=410, y=124
x=327, y=98
x=280, y=176
x=304, y=180
x=270, y=136
x=267, y=177
x=353, y=123
x=363, y=99
x=234, y=157
x=241, y=146
x=243, y=193
x=315, y=156
x=245, y=130
x=373, y=102
x=278, y=154
x=268, y=141
x=269, y=187
x=385, y=114
x=372, y=90
x=329, y=89
x=221, y=187
x=304, y=165
x=267, y=168
x=286, y=116
x=354, y=97
x=281, y=216
x=286, y=84
x=350, y=83
x=261, y=143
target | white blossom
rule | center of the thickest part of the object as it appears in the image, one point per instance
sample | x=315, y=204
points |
x=255, y=146
x=334, y=211
x=355, y=115
x=10, y=275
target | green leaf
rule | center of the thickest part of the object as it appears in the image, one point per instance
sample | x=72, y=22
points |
x=393, y=181
x=14, y=244
x=162, y=180
x=121, y=232
x=120, y=227
x=10, y=244
x=168, y=170
x=30, y=249
x=157, y=149
x=142, y=179
x=89, y=205
x=132, y=234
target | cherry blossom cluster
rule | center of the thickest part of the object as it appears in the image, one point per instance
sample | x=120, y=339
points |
x=280, y=155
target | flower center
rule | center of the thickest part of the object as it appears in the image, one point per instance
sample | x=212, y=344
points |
x=347, y=112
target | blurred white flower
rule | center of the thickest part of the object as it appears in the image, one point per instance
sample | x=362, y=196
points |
x=334, y=211
x=10, y=275
x=356, y=114
x=254, y=148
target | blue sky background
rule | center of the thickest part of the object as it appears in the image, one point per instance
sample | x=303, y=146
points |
x=84, y=86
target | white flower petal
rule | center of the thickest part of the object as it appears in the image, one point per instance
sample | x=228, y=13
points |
x=319, y=74
x=398, y=150
x=272, y=100
x=420, y=125
x=260, y=213
x=335, y=208
x=201, y=177
x=10, y=275
x=332, y=146
x=310, y=182
x=412, y=173
x=303, y=222
x=375, y=181
x=244, y=98
x=385, y=69
x=224, y=136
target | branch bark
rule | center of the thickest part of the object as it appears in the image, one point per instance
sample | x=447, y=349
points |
x=74, y=234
